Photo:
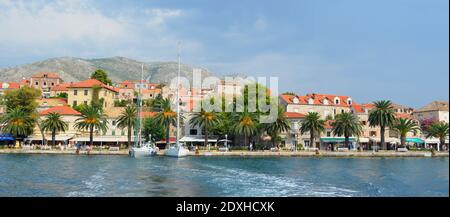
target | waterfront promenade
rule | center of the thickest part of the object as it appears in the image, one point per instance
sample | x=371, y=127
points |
x=245, y=153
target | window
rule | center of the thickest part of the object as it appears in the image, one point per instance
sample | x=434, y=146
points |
x=86, y=92
x=334, y=111
x=364, y=123
x=336, y=101
x=328, y=134
x=373, y=133
x=349, y=101
x=122, y=133
x=295, y=100
x=75, y=103
x=114, y=123
x=37, y=83
x=75, y=92
x=45, y=83
x=310, y=101
x=342, y=110
x=193, y=132
x=113, y=133
x=53, y=84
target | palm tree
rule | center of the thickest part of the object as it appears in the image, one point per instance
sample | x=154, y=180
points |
x=281, y=124
x=403, y=126
x=246, y=124
x=205, y=120
x=54, y=123
x=312, y=124
x=128, y=120
x=92, y=119
x=346, y=124
x=438, y=130
x=382, y=115
x=166, y=117
x=17, y=123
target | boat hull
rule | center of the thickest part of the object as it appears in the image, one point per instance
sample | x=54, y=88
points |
x=142, y=152
x=177, y=152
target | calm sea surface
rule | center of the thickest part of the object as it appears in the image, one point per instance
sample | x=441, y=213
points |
x=70, y=175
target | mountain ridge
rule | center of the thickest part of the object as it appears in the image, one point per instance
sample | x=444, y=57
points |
x=119, y=69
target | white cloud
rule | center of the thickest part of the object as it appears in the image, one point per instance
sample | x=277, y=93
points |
x=78, y=28
x=160, y=15
x=38, y=22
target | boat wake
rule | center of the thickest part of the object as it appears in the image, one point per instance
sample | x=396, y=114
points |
x=94, y=186
x=238, y=182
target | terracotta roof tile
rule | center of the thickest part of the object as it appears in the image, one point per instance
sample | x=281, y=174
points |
x=62, y=110
x=293, y=115
x=91, y=83
x=43, y=74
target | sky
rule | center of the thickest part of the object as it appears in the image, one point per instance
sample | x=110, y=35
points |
x=366, y=49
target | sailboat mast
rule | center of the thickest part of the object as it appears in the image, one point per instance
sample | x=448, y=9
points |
x=140, y=104
x=178, y=94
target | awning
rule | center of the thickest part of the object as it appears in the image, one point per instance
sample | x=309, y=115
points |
x=388, y=140
x=434, y=141
x=49, y=138
x=6, y=137
x=336, y=139
x=197, y=139
x=415, y=140
x=364, y=140
x=103, y=139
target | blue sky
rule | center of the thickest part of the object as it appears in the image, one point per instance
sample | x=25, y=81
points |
x=368, y=49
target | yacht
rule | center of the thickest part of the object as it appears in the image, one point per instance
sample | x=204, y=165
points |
x=141, y=148
x=177, y=150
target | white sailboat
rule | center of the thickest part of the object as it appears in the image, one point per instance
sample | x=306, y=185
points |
x=177, y=150
x=141, y=148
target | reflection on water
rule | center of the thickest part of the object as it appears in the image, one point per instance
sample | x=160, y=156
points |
x=86, y=176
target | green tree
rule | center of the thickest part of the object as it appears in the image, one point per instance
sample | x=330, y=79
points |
x=205, y=120
x=17, y=122
x=312, y=124
x=54, y=123
x=346, y=124
x=128, y=119
x=92, y=120
x=280, y=125
x=438, y=130
x=383, y=116
x=246, y=124
x=167, y=117
x=24, y=97
x=96, y=101
x=153, y=129
x=403, y=126
x=102, y=76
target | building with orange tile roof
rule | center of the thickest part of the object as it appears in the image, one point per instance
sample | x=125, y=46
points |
x=82, y=93
x=44, y=81
x=324, y=104
x=59, y=89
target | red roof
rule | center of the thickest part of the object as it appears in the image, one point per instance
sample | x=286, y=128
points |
x=318, y=99
x=403, y=115
x=62, y=110
x=10, y=85
x=91, y=83
x=358, y=108
x=60, y=87
x=45, y=74
x=293, y=115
